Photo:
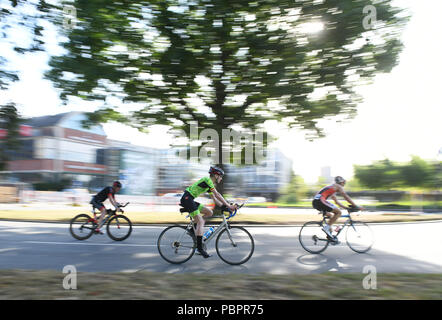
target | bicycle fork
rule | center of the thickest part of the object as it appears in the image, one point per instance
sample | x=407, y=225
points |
x=230, y=237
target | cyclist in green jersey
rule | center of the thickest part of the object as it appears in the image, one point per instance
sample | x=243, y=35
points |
x=206, y=184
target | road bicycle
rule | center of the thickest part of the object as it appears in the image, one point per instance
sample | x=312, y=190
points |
x=359, y=236
x=234, y=244
x=118, y=226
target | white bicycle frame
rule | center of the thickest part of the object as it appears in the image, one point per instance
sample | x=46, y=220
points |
x=223, y=225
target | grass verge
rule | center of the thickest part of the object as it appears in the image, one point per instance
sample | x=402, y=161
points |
x=15, y=284
x=241, y=218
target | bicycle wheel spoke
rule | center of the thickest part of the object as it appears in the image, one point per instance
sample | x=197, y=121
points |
x=235, y=245
x=359, y=237
x=119, y=228
x=176, y=245
x=312, y=238
x=81, y=227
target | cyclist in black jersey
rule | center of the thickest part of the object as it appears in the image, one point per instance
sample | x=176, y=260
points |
x=100, y=197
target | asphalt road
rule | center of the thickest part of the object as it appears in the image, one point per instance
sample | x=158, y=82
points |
x=399, y=247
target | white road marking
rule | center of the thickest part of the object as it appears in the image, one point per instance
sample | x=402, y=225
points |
x=91, y=244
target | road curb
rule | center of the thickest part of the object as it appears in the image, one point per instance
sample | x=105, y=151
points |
x=252, y=225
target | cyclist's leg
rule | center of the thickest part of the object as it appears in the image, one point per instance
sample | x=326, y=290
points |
x=199, y=222
x=327, y=209
x=198, y=218
x=101, y=208
x=206, y=212
x=336, y=214
x=321, y=207
x=333, y=212
x=102, y=214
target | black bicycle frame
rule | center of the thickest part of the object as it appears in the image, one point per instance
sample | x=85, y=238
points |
x=109, y=213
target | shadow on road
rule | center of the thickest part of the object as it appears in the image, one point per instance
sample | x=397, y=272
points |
x=276, y=252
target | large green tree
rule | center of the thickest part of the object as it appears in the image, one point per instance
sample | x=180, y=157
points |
x=10, y=121
x=224, y=63
x=23, y=18
x=385, y=174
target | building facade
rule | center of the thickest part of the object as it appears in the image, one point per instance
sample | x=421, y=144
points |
x=266, y=179
x=58, y=148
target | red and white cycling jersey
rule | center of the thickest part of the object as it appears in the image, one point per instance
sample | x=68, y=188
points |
x=326, y=192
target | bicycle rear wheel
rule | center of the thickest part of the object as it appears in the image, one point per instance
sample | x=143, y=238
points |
x=312, y=238
x=119, y=228
x=359, y=237
x=235, y=245
x=176, y=245
x=82, y=227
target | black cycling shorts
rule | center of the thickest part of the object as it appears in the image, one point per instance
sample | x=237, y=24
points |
x=321, y=206
x=189, y=203
x=97, y=204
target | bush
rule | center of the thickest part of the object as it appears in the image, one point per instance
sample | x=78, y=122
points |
x=52, y=185
x=386, y=174
x=294, y=192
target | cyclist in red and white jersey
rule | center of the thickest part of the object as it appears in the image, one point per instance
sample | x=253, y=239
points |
x=321, y=203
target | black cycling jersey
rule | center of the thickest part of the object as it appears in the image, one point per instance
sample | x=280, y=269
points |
x=104, y=194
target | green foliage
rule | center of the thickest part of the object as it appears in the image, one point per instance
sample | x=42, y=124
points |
x=223, y=63
x=53, y=185
x=28, y=15
x=418, y=172
x=353, y=185
x=386, y=174
x=320, y=183
x=10, y=121
x=295, y=192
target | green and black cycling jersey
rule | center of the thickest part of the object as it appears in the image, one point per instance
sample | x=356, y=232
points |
x=194, y=191
x=201, y=186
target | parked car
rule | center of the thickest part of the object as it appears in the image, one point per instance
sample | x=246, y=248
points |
x=77, y=195
x=256, y=200
x=170, y=198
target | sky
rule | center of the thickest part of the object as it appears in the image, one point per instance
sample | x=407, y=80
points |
x=400, y=115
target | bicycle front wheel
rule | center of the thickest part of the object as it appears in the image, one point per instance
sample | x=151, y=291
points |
x=312, y=238
x=119, y=228
x=235, y=245
x=82, y=227
x=176, y=245
x=359, y=237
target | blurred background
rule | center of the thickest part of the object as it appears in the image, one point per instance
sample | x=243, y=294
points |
x=92, y=92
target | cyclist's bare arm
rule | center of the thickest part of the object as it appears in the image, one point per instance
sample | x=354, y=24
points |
x=338, y=203
x=114, y=203
x=215, y=199
x=223, y=201
x=345, y=195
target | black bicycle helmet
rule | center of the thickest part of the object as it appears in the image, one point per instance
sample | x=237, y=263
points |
x=339, y=179
x=117, y=184
x=216, y=170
